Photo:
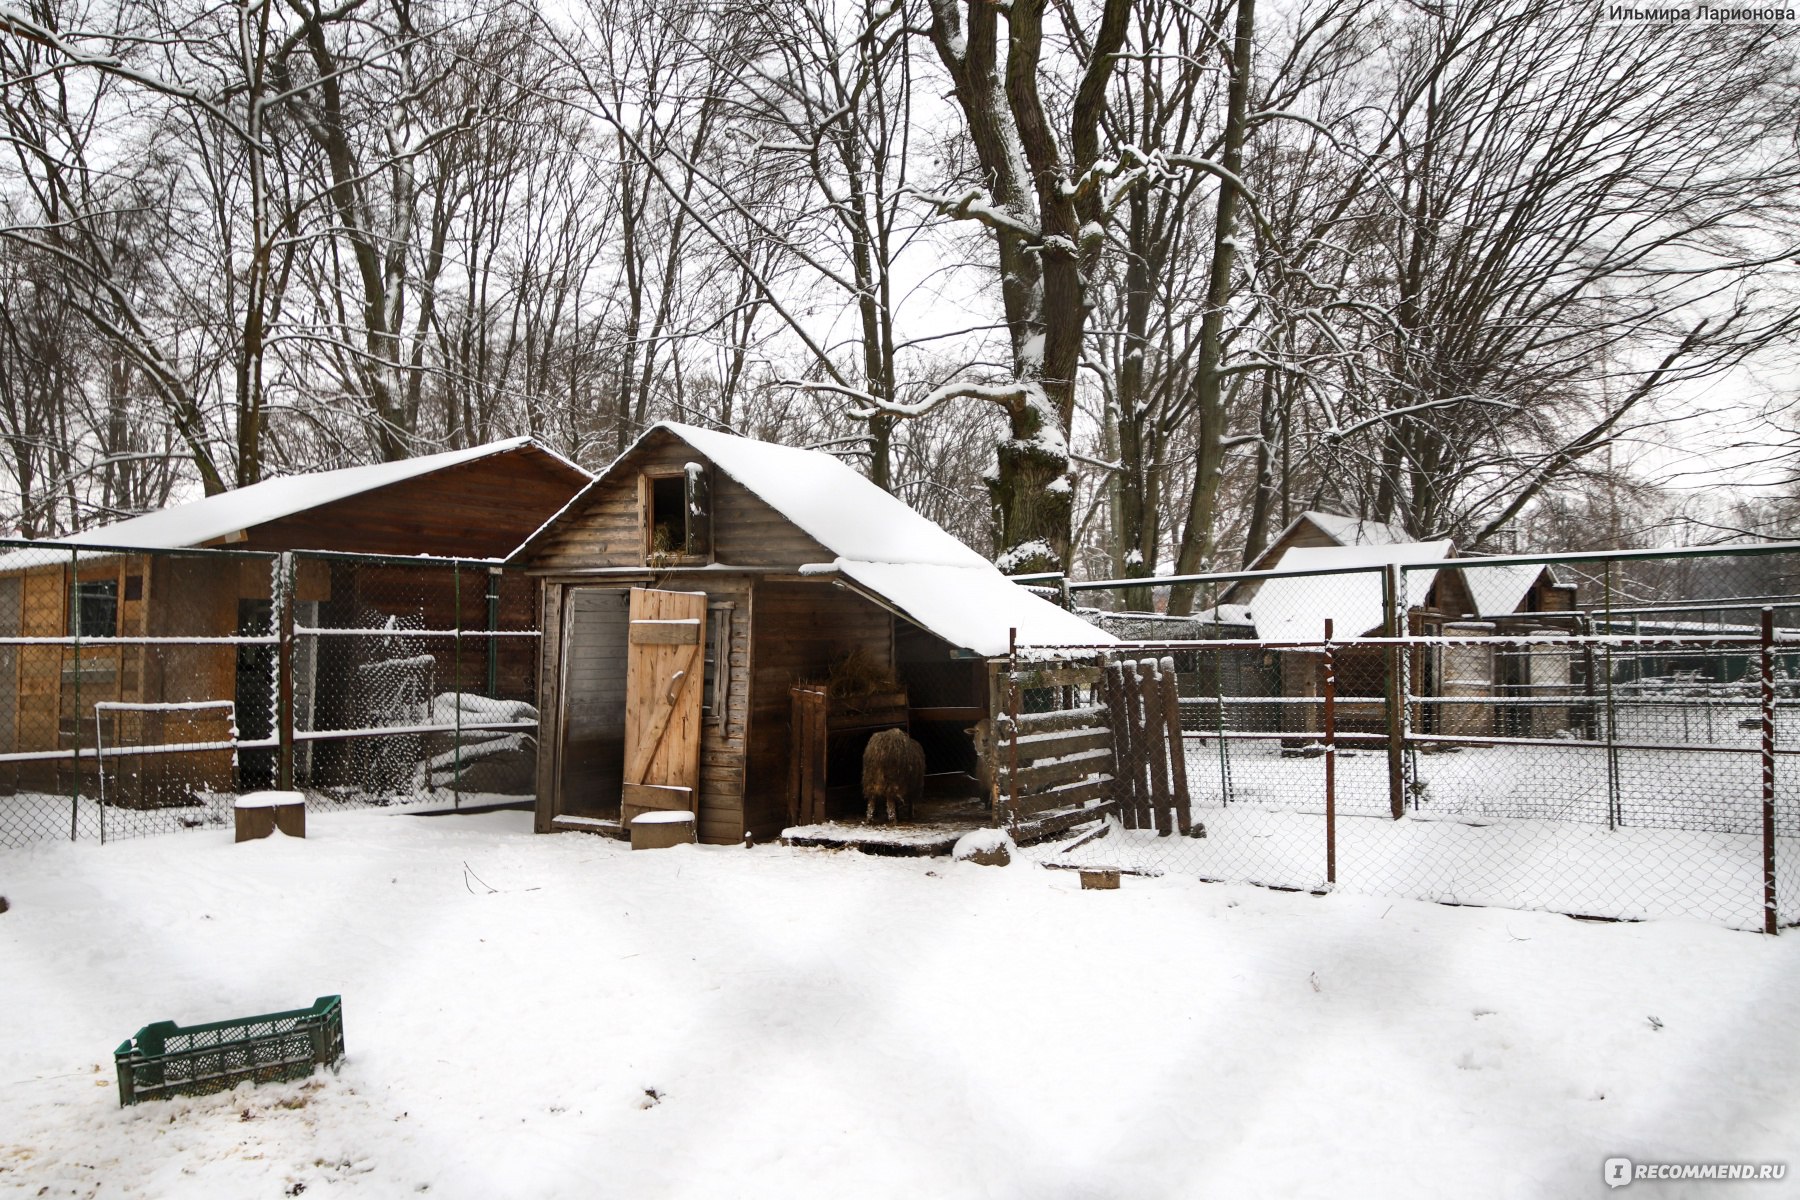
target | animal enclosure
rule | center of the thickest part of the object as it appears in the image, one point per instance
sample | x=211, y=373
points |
x=1625, y=759
x=363, y=680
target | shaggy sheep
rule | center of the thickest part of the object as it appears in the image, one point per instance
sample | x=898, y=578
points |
x=893, y=774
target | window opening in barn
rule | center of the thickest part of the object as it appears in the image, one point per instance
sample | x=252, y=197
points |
x=678, y=515
x=668, y=516
x=96, y=608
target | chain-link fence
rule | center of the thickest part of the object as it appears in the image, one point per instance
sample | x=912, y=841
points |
x=1608, y=736
x=143, y=691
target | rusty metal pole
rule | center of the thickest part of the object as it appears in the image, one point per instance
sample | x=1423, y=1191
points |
x=1770, y=922
x=1330, y=758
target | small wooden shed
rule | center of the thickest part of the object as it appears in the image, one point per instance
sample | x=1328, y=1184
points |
x=132, y=579
x=1456, y=598
x=699, y=579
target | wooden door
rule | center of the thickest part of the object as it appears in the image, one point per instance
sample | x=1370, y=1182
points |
x=592, y=758
x=662, y=702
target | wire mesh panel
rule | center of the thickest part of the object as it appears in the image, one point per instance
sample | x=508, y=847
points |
x=1607, y=736
x=141, y=690
x=412, y=679
x=119, y=674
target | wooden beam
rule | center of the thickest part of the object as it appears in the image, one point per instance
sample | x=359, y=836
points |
x=680, y=632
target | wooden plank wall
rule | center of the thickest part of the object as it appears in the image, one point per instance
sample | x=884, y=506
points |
x=801, y=629
x=607, y=529
x=195, y=597
x=724, y=742
x=481, y=509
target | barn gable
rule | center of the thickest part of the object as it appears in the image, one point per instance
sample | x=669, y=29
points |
x=610, y=523
x=779, y=507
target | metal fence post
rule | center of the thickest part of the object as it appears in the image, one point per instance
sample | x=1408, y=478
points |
x=456, y=693
x=1330, y=757
x=1393, y=606
x=75, y=630
x=1770, y=922
x=493, y=624
x=282, y=616
x=1614, y=811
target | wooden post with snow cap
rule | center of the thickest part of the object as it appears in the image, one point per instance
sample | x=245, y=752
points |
x=1012, y=739
x=1119, y=716
x=1148, y=742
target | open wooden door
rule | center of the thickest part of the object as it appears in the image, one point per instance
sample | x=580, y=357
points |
x=662, y=702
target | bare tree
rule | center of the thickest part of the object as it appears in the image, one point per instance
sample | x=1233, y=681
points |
x=1042, y=192
x=1590, y=216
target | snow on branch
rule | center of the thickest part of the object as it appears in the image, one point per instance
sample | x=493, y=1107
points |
x=24, y=27
x=974, y=205
x=1009, y=395
x=1339, y=432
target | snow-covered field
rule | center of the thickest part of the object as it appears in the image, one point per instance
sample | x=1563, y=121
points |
x=557, y=1016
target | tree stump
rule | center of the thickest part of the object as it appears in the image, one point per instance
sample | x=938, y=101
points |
x=261, y=813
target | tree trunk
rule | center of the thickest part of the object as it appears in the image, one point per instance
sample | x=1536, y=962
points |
x=1209, y=381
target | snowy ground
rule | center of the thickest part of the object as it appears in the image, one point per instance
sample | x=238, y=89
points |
x=1512, y=826
x=559, y=1017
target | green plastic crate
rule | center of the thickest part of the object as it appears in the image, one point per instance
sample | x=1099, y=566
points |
x=166, y=1059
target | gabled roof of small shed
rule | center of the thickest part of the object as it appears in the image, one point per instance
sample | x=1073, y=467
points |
x=216, y=518
x=1340, y=529
x=1295, y=608
x=829, y=502
x=881, y=546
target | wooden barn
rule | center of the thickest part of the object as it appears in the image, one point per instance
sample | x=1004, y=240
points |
x=139, y=578
x=727, y=622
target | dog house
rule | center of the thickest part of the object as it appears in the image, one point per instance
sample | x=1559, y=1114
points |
x=699, y=579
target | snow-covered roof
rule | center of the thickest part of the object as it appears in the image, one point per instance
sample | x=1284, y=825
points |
x=882, y=547
x=972, y=607
x=214, y=518
x=1352, y=531
x=1498, y=590
x=1294, y=609
x=830, y=502
x=1343, y=530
